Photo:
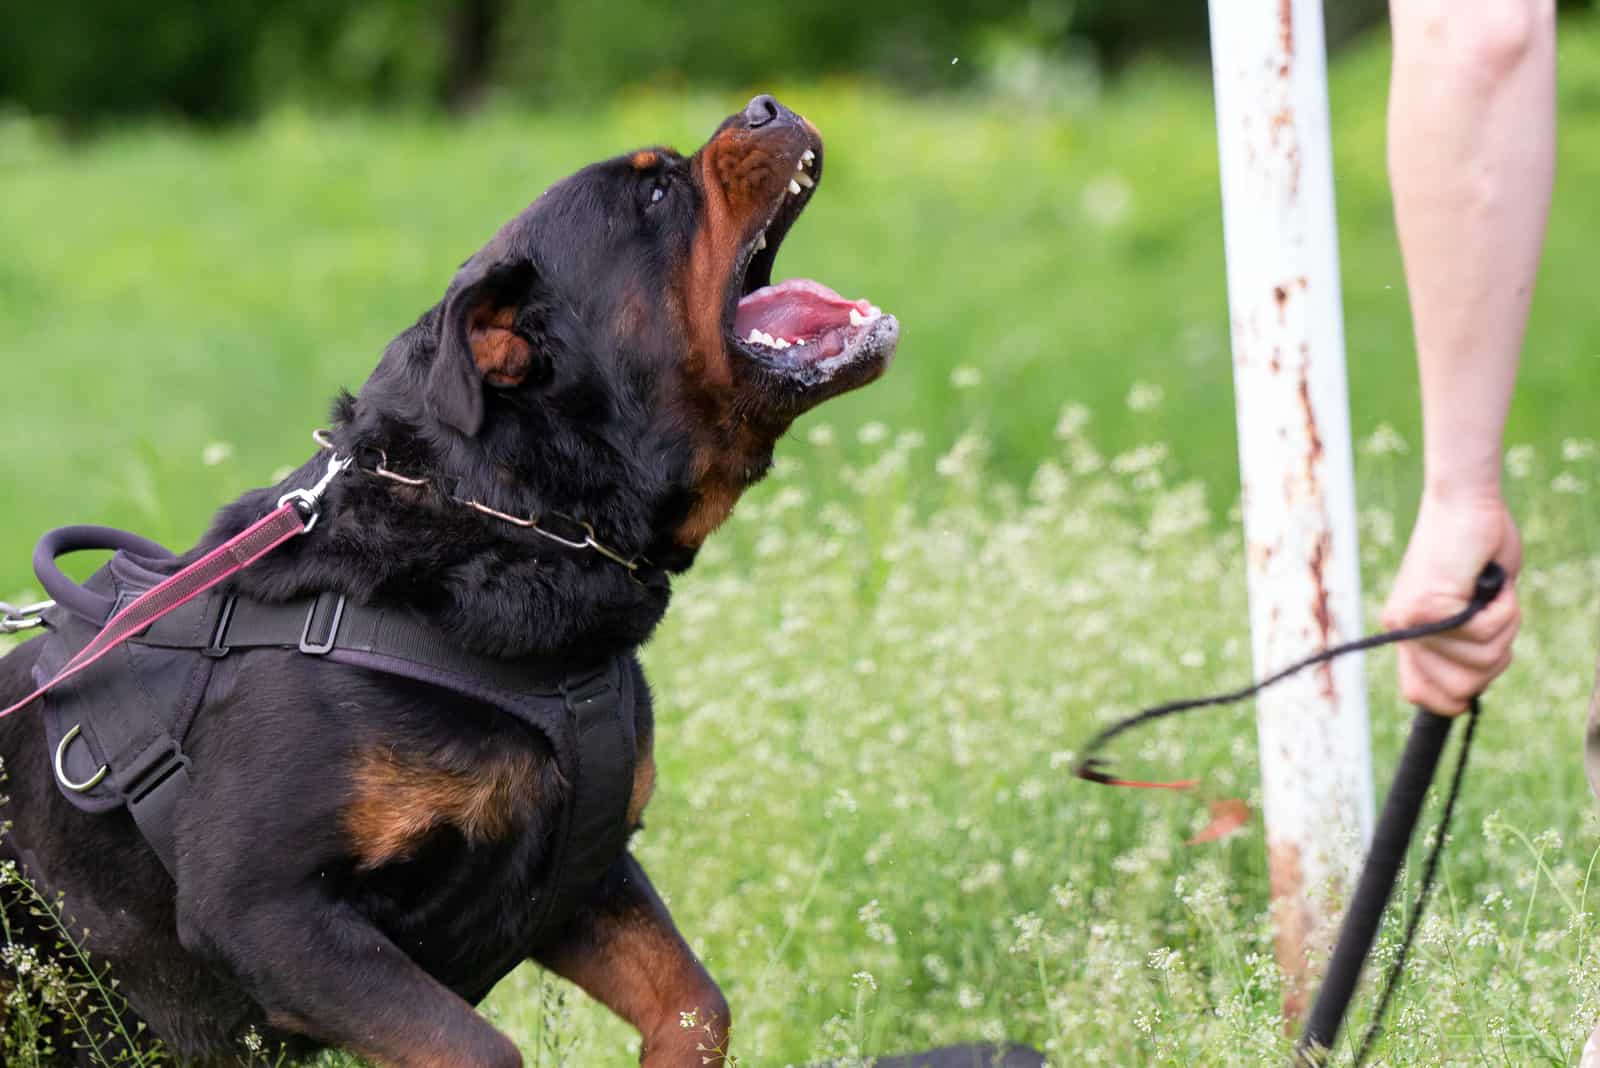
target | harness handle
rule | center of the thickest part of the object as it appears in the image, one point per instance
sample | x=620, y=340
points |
x=94, y=607
x=297, y=512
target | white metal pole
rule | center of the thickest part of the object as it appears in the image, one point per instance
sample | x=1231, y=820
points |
x=1270, y=69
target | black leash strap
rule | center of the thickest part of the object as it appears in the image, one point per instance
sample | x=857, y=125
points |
x=1403, y=806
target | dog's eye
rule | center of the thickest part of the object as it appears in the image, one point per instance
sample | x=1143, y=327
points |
x=656, y=194
x=658, y=189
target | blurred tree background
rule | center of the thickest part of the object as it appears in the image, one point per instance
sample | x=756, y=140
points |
x=229, y=59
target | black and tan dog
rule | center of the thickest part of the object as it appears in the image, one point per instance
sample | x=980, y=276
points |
x=356, y=851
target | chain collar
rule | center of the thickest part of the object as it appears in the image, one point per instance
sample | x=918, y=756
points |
x=578, y=535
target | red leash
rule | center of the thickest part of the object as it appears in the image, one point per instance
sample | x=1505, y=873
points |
x=296, y=514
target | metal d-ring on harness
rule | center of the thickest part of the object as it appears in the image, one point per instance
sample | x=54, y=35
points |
x=61, y=765
x=1390, y=840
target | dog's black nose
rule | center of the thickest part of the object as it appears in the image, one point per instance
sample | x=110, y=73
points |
x=762, y=110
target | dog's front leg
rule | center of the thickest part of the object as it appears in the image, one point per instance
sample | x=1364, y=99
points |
x=624, y=951
x=319, y=969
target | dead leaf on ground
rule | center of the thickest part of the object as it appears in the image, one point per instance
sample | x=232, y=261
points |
x=1227, y=816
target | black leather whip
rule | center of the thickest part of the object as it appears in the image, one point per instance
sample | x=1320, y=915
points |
x=1390, y=840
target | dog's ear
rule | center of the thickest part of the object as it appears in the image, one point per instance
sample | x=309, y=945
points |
x=483, y=338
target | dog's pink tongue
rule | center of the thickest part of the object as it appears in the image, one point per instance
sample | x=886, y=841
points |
x=796, y=309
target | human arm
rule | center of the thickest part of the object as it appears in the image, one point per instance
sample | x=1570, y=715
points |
x=1471, y=163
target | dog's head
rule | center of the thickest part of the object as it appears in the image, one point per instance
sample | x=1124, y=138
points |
x=633, y=303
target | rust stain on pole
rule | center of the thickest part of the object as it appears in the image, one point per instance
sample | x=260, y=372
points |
x=1292, y=924
x=1313, y=435
x=1322, y=614
x=1322, y=548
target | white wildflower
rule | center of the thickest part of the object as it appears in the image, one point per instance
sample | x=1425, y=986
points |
x=966, y=377
x=1145, y=396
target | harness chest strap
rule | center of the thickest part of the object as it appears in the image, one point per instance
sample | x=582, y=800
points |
x=586, y=713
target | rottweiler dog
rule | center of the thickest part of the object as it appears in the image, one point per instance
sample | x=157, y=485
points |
x=357, y=850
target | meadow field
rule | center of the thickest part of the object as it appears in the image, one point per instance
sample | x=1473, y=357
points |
x=872, y=686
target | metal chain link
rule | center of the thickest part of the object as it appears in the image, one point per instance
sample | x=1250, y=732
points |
x=533, y=523
x=15, y=619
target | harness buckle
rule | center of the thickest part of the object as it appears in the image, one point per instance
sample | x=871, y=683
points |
x=217, y=647
x=148, y=771
x=323, y=645
x=583, y=688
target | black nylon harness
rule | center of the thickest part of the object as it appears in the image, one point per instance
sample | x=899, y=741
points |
x=116, y=732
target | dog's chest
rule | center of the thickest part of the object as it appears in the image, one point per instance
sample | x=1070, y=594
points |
x=455, y=858
x=467, y=913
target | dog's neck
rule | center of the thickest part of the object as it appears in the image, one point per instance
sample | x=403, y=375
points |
x=489, y=586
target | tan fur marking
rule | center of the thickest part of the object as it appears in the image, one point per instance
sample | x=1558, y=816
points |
x=636, y=964
x=644, y=787
x=398, y=800
x=633, y=317
x=705, y=282
x=719, y=490
x=502, y=356
x=643, y=161
x=739, y=177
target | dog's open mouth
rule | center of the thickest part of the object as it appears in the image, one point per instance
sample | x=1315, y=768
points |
x=801, y=328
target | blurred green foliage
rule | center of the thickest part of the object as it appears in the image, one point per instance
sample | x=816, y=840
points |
x=89, y=60
x=214, y=59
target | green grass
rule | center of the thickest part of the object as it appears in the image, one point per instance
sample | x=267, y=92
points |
x=872, y=685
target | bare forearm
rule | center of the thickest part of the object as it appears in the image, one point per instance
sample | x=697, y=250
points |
x=1471, y=161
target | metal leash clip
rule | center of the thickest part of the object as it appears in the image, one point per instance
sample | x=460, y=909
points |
x=307, y=501
x=15, y=620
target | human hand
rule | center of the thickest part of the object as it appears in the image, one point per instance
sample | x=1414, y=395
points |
x=1452, y=541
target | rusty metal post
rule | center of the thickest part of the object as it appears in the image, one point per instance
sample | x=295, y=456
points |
x=1270, y=70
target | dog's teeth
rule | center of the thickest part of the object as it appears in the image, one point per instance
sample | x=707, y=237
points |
x=794, y=187
x=803, y=179
x=875, y=312
x=755, y=335
x=780, y=343
x=807, y=156
x=799, y=341
x=761, y=242
x=856, y=318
